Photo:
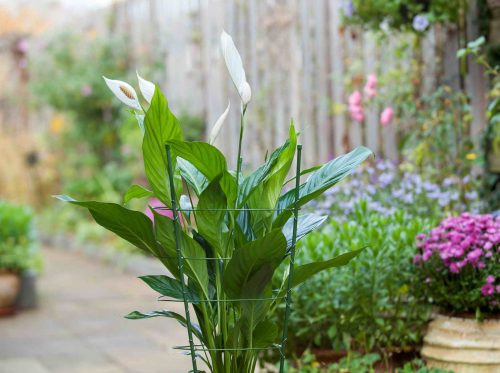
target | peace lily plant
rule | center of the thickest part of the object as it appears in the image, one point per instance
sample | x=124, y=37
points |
x=229, y=232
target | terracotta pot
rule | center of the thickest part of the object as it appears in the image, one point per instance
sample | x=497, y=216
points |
x=10, y=284
x=463, y=345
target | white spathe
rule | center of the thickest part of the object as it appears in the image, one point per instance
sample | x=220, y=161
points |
x=147, y=88
x=235, y=67
x=218, y=124
x=124, y=92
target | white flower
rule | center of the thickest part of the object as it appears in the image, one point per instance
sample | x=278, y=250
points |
x=147, y=88
x=218, y=124
x=124, y=92
x=235, y=67
x=245, y=93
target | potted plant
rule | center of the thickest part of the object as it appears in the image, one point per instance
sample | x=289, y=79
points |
x=227, y=233
x=17, y=252
x=458, y=265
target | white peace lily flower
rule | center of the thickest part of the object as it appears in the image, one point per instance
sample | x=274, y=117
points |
x=147, y=88
x=235, y=67
x=218, y=124
x=124, y=92
x=245, y=93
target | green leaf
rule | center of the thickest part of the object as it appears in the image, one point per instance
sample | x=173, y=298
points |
x=257, y=260
x=136, y=191
x=244, y=232
x=132, y=226
x=265, y=334
x=305, y=224
x=324, y=178
x=136, y=315
x=251, y=182
x=160, y=126
x=193, y=177
x=303, y=272
x=210, y=214
x=205, y=157
x=208, y=160
x=195, y=266
x=170, y=287
x=302, y=173
x=266, y=195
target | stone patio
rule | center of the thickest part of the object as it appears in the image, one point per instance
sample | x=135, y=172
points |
x=79, y=325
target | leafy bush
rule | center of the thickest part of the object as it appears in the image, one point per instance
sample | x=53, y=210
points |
x=413, y=15
x=367, y=304
x=459, y=264
x=352, y=363
x=355, y=363
x=439, y=141
x=18, y=251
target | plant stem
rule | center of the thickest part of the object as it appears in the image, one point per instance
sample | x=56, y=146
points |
x=238, y=160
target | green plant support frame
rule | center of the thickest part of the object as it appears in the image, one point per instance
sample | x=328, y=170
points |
x=192, y=348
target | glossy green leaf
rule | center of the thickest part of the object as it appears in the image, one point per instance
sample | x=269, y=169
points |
x=210, y=217
x=268, y=191
x=206, y=158
x=132, y=226
x=303, y=272
x=305, y=224
x=195, y=267
x=251, y=182
x=170, y=287
x=160, y=126
x=193, y=177
x=136, y=191
x=209, y=161
x=256, y=260
x=265, y=334
x=244, y=232
x=324, y=178
x=136, y=315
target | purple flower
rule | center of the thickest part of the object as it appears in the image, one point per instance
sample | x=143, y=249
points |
x=490, y=279
x=348, y=8
x=420, y=22
x=487, y=290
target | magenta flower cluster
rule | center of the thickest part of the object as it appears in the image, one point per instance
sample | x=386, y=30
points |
x=465, y=241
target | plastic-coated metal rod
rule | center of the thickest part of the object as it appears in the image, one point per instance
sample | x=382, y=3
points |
x=180, y=261
x=292, y=262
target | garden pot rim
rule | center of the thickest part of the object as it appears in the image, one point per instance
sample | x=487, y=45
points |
x=8, y=271
x=464, y=316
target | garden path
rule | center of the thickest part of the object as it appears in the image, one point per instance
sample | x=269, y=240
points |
x=79, y=327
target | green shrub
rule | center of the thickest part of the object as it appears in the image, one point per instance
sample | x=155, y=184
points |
x=366, y=305
x=18, y=251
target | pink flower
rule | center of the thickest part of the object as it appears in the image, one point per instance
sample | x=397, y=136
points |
x=370, y=88
x=497, y=288
x=86, y=90
x=386, y=116
x=487, y=290
x=370, y=92
x=490, y=279
x=454, y=268
x=355, y=99
x=357, y=114
x=155, y=204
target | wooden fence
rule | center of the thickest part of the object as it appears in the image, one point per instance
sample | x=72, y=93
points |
x=299, y=61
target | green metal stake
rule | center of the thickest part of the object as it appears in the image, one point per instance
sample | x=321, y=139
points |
x=180, y=259
x=292, y=260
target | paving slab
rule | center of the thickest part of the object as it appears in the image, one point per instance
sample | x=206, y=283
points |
x=79, y=325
